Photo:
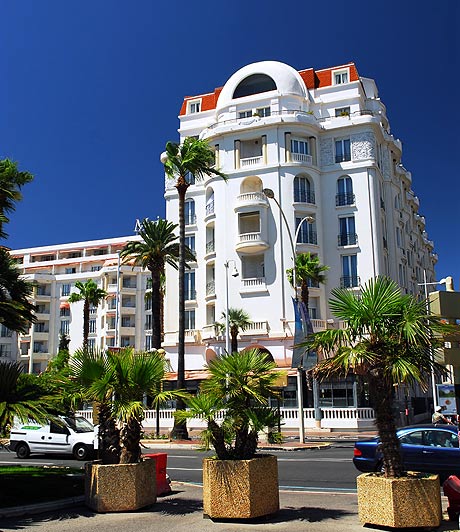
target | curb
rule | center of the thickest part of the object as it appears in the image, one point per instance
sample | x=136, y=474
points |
x=42, y=507
x=273, y=447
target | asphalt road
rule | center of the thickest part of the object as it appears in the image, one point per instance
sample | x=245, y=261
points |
x=320, y=470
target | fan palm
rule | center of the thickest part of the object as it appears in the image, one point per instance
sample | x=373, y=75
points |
x=91, y=295
x=240, y=384
x=389, y=339
x=194, y=158
x=308, y=269
x=11, y=182
x=19, y=397
x=157, y=248
x=238, y=320
x=16, y=311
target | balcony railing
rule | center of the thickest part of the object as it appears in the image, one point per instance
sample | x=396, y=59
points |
x=190, y=219
x=347, y=198
x=343, y=158
x=250, y=237
x=210, y=246
x=305, y=197
x=350, y=281
x=252, y=197
x=251, y=161
x=210, y=208
x=307, y=237
x=347, y=239
x=253, y=283
x=190, y=295
x=211, y=288
x=301, y=158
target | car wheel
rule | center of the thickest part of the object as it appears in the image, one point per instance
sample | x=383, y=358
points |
x=81, y=452
x=22, y=451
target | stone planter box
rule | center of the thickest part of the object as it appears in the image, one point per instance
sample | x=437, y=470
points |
x=240, y=489
x=120, y=487
x=408, y=502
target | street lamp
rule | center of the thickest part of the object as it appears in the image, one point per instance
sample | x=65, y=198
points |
x=271, y=195
x=427, y=303
x=227, y=321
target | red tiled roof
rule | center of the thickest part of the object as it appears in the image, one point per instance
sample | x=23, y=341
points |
x=313, y=79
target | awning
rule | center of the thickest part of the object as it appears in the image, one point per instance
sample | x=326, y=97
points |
x=64, y=304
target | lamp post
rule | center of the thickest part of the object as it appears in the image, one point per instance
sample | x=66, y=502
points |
x=271, y=195
x=427, y=303
x=117, y=307
x=227, y=321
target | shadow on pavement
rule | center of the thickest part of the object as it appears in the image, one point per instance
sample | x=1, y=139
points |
x=19, y=523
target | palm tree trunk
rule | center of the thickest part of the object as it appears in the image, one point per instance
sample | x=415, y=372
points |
x=130, y=435
x=179, y=431
x=156, y=317
x=234, y=339
x=85, y=323
x=382, y=395
x=109, y=436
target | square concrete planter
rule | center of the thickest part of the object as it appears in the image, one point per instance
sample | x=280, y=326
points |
x=240, y=489
x=407, y=502
x=120, y=487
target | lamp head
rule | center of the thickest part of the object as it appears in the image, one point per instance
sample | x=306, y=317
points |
x=269, y=193
x=235, y=272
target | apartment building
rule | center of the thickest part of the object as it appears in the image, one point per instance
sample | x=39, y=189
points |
x=320, y=141
x=54, y=271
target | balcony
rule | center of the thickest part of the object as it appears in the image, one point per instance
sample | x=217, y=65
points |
x=256, y=328
x=305, y=196
x=347, y=198
x=301, y=158
x=210, y=289
x=251, y=161
x=251, y=243
x=307, y=237
x=190, y=219
x=251, y=199
x=210, y=247
x=209, y=209
x=350, y=281
x=254, y=284
x=347, y=239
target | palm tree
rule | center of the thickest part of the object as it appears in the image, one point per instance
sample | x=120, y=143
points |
x=16, y=311
x=240, y=384
x=157, y=248
x=238, y=320
x=11, y=181
x=389, y=339
x=20, y=397
x=193, y=158
x=91, y=295
x=308, y=269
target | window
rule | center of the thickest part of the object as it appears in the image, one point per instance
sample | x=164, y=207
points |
x=148, y=343
x=110, y=342
x=189, y=286
x=342, y=150
x=249, y=223
x=148, y=321
x=128, y=301
x=65, y=289
x=125, y=341
x=190, y=319
x=254, y=84
x=92, y=310
x=92, y=326
x=64, y=329
x=148, y=302
x=347, y=231
x=5, y=350
x=71, y=270
x=263, y=111
x=299, y=146
x=126, y=321
x=40, y=327
x=95, y=268
x=349, y=271
x=245, y=114
x=5, y=332
x=189, y=212
x=91, y=343
x=190, y=242
x=340, y=77
x=194, y=106
x=342, y=111
x=303, y=191
x=344, y=194
x=307, y=232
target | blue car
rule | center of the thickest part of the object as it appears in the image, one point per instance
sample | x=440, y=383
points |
x=427, y=448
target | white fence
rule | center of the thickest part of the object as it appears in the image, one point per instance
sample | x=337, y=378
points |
x=332, y=418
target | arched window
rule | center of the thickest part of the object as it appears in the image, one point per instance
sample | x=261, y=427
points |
x=254, y=84
x=252, y=183
x=209, y=201
x=189, y=212
x=344, y=194
x=303, y=190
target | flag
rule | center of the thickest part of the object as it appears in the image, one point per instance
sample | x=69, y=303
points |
x=302, y=358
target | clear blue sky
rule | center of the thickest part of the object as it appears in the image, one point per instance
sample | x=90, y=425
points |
x=90, y=91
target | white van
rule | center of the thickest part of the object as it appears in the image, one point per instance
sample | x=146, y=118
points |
x=63, y=434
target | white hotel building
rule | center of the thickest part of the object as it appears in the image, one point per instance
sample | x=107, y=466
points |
x=321, y=141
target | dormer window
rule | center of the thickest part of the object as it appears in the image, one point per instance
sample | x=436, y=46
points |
x=194, y=106
x=245, y=114
x=340, y=77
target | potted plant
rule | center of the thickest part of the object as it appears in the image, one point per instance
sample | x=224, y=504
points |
x=389, y=339
x=238, y=483
x=117, y=382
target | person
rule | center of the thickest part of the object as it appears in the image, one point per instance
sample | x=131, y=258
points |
x=439, y=418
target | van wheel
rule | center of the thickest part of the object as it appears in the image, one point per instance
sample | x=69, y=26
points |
x=22, y=451
x=81, y=452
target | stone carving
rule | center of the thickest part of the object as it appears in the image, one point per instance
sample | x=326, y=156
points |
x=326, y=152
x=362, y=146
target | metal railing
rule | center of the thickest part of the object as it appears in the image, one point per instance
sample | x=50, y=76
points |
x=210, y=246
x=346, y=198
x=350, y=281
x=347, y=239
x=210, y=288
x=307, y=237
x=305, y=197
x=210, y=208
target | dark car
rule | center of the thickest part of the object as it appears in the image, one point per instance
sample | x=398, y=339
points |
x=427, y=448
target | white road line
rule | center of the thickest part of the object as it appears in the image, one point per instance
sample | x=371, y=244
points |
x=315, y=460
x=26, y=464
x=184, y=469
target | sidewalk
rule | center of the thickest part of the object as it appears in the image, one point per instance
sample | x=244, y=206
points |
x=182, y=512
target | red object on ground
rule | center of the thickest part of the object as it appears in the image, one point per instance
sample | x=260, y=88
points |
x=161, y=461
x=451, y=488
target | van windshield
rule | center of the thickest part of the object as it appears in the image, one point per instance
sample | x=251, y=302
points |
x=79, y=424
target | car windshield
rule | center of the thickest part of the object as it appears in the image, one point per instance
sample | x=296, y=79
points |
x=79, y=424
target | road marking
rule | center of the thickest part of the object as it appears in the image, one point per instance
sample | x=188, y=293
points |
x=184, y=469
x=26, y=464
x=315, y=460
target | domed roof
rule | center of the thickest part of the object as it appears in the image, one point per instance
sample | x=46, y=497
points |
x=268, y=75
